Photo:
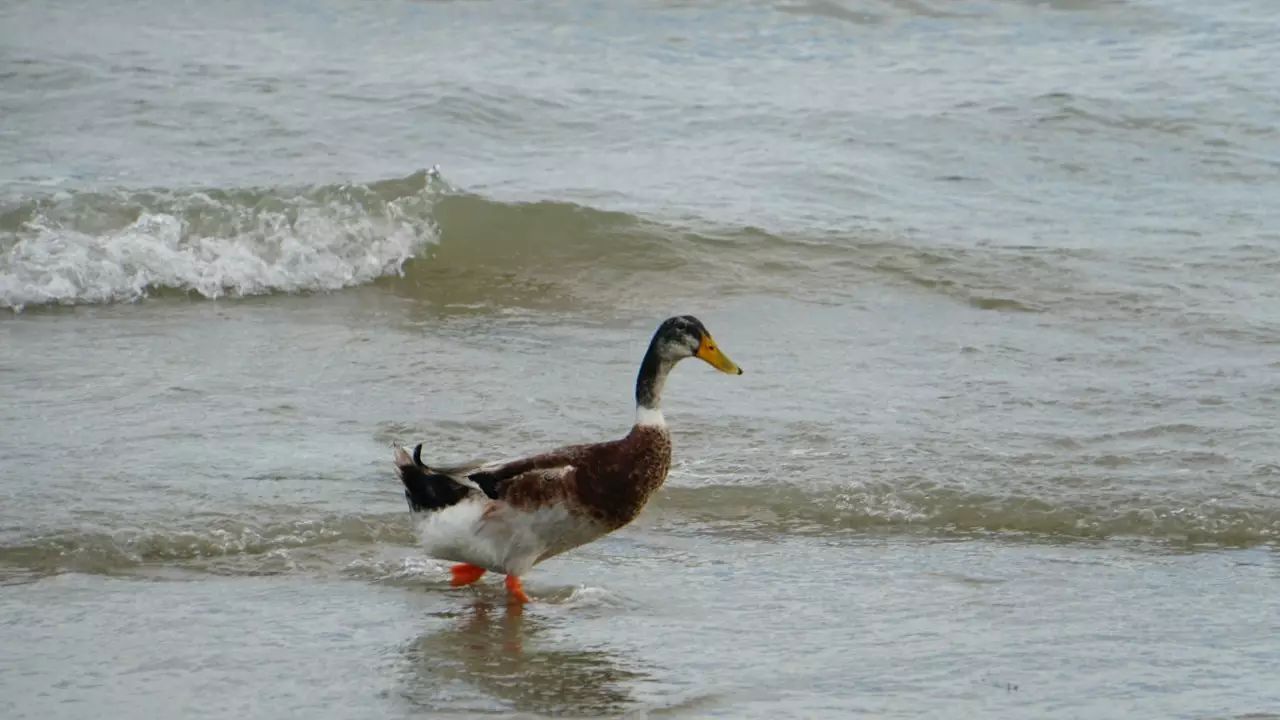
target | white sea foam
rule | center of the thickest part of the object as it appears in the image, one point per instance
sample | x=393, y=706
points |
x=69, y=251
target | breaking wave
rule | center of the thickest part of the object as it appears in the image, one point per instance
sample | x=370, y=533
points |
x=415, y=235
x=755, y=509
x=343, y=542
x=266, y=545
x=81, y=248
x=420, y=237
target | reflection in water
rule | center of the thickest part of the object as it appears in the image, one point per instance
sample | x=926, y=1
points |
x=498, y=652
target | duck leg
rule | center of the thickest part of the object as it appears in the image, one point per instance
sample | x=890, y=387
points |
x=515, y=591
x=464, y=574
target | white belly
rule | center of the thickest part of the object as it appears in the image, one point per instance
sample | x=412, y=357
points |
x=497, y=537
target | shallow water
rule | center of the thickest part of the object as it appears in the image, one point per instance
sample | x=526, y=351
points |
x=1001, y=275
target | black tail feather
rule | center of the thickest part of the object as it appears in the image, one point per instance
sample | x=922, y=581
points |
x=426, y=490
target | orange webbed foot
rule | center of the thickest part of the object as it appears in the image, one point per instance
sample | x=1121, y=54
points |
x=464, y=574
x=515, y=591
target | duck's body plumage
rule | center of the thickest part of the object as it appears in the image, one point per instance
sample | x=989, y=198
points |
x=508, y=516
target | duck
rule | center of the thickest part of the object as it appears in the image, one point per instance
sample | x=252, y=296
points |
x=505, y=517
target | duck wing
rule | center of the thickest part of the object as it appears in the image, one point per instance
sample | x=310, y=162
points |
x=498, y=480
x=429, y=488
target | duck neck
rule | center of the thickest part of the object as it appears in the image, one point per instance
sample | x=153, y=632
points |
x=653, y=375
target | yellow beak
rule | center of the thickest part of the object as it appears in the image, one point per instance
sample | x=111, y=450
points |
x=708, y=351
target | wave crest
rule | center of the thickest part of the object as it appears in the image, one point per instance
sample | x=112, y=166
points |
x=222, y=539
x=77, y=248
x=417, y=237
x=930, y=510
